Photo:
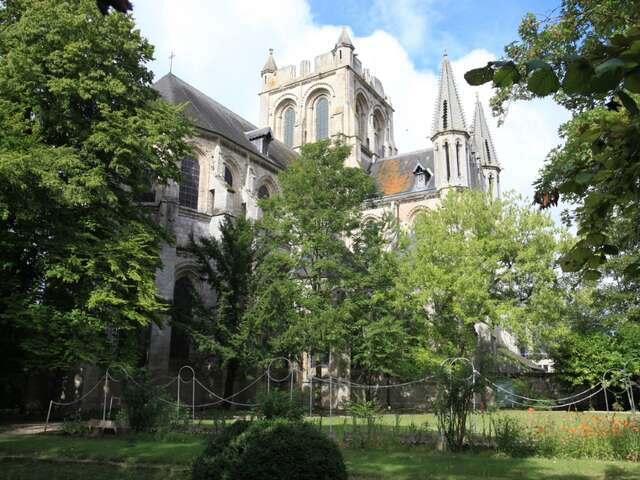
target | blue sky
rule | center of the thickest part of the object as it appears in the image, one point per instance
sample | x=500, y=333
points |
x=222, y=45
x=457, y=25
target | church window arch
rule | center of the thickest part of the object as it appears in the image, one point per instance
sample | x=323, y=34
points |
x=486, y=146
x=263, y=192
x=458, y=147
x=181, y=317
x=190, y=182
x=378, y=133
x=362, y=119
x=288, y=126
x=322, y=118
x=447, y=160
x=228, y=176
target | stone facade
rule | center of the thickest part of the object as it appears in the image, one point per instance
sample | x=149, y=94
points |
x=359, y=111
x=236, y=162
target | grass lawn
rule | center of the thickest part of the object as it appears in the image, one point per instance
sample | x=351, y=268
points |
x=57, y=457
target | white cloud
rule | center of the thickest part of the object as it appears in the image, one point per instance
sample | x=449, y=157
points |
x=221, y=49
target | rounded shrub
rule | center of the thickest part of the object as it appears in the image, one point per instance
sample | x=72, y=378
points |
x=211, y=464
x=279, y=404
x=273, y=450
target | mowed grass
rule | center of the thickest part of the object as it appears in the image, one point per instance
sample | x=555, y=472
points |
x=56, y=456
x=419, y=464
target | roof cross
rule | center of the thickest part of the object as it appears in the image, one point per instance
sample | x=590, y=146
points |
x=171, y=57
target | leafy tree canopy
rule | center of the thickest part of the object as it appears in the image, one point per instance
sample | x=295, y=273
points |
x=588, y=58
x=313, y=267
x=84, y=134
x=480, y=260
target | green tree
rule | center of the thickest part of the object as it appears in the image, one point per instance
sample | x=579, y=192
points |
x=480, y=260
x=299, y=302
x=227, y=264
x=603, y=319
x=588, y=57
x=84, y=135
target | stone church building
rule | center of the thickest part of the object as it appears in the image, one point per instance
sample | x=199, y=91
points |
x=236, y=163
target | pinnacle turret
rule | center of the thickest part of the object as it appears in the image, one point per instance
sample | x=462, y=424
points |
x=270, y=64
x=448, y=114
x=482, y=137
x=344, y=40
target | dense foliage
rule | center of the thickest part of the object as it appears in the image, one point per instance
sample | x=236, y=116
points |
x=274, y=450
x=143, y=403
x=588, y=57
x=477, y=260
x=323, y=282
x=83, y=136
x=227, y=264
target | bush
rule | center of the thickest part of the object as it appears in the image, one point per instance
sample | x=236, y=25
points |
x=279, y=404
x=144, y=408
x=273, y=450
x=512, y=437
x=212, y=463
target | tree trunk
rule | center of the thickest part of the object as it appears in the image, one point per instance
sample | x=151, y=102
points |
x=230, y=380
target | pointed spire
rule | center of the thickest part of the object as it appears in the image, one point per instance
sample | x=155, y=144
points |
x=344, y=40
x=270, y=64
x=483, y=144
x=448, y=113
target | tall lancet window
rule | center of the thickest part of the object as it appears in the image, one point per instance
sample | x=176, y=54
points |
x=491, y=180
x=378, y=133
x=445, y=116
x=190, y=169
x=447, y=159
x=458, y=157
x=486, y=146
x=289, y=123
x=322, y=118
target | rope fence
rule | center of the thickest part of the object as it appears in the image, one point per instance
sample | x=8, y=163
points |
x=622, y=376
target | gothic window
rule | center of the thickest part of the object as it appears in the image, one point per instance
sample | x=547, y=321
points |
x=190, y=169
x=491, y=184
x=289, y=123
x=447, y=159
x=322, y=118
x=445, y=115
x=378, y=133
x=263, y=192
x=181, y=318
x=486, y=146
x=228, y=176
x=458, y=157
x=361, y=115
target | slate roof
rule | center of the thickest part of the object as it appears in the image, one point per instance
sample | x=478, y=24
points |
x=214, y=117
x=395, y=175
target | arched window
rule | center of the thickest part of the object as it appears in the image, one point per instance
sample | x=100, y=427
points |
x=361, y=117
x=458, y=157
x=445, y=115
x=287, y=126
x=322, y=118
x=378, y=133
x=447, y=159
x=263, y=192
x=190, y=182
x=181, y=318
x=228, y=176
